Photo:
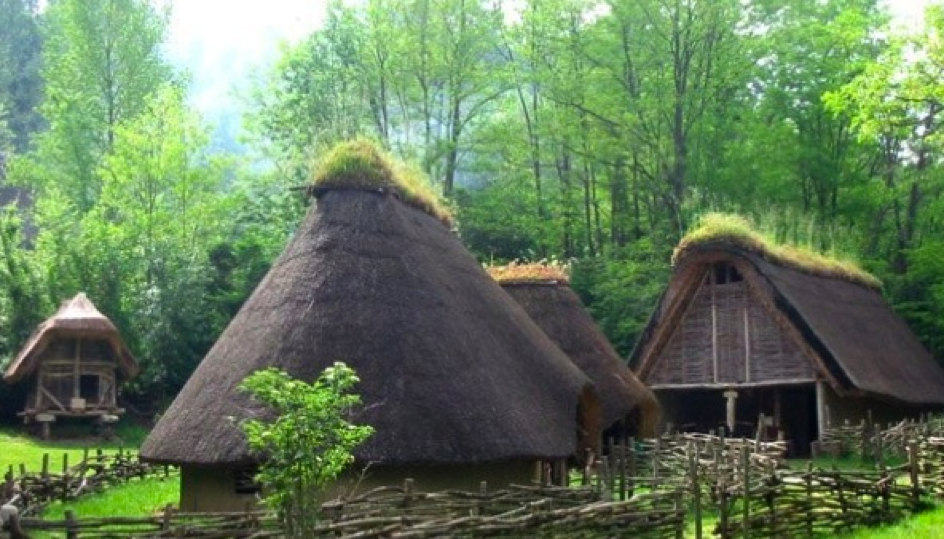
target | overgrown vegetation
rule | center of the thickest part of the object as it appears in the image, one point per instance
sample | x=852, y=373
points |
x=739, y=231
x=362, y=164
x=307, y=445
x=535, y=272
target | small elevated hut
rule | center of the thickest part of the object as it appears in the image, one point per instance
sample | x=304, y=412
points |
x=627, y=406
x=746, y=328
x=458, y=383
x=75, y=362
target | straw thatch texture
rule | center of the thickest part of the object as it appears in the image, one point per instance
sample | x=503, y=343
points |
x=77, y=317
x=852, y=334
x=452, y=370
x=560, y=313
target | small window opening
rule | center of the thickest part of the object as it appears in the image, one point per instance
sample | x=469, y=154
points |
x=723, y=273
x=89, y=387
x=245, y=481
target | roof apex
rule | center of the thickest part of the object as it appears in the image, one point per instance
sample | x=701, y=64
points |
x=739, y=233
x=543, y=272
x=361, y=164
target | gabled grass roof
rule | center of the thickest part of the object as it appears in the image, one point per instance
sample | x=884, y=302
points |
x=738, y=231
x=530, y=273
x=362, y=164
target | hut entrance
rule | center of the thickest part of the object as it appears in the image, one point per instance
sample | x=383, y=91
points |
x=780, y=412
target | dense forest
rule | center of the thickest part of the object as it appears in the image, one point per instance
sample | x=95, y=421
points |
x=591, y=132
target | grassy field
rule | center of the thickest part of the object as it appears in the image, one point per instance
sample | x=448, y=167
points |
x=139, y=497
x=927, y=525
x=18, y=448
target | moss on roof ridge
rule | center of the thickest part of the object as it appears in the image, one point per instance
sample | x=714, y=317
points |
x=361, y=164
x=530, y=273
x=737, y=230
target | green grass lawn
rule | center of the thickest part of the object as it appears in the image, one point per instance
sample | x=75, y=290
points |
x=136, y=498
x=926, y=525
x=17, y=448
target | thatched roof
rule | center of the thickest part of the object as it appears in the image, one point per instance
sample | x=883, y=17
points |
x=563, y=317
x=452, y=370
x=860, y=344
x=76, y=318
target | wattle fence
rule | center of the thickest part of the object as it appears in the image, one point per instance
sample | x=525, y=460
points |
x=677, y=485
x=31, y=491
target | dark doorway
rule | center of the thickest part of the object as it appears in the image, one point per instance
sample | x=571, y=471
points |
x=799, y=418
x=89, y=388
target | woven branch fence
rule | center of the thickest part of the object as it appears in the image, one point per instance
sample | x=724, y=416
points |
x=407, y=513
x=31, y=492
x=645, y=488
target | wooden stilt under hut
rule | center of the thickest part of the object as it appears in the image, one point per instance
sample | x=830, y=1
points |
x=74, y=362
x=748, y=328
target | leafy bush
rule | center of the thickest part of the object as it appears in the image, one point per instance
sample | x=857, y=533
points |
x=308, y=444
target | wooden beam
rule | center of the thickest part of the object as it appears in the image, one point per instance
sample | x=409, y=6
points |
x=821, y=418
x=722, y=386
x=747, y=338
x=53, y=399
x=714, y=326
x=76, y=373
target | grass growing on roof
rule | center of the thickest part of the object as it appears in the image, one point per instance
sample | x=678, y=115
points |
x=530, y=272
x=362, y=164
x=739, y=231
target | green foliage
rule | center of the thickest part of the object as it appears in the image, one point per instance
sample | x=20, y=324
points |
x=21, y=86
x=308, y=444
x=622, y=291
x=22, y=301
x=361, y=164
x=101, y=63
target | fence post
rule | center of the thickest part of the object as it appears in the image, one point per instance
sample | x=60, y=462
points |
x=809, y=498
x=864, y=435
x=915, y=478
x=632, y=466
x=407, y=492
x=679, y=514
x=656, y=452
x=614, y=463
x=746, y=471
x=622, y=470
x=72, y=526
x=885, y=492
x=877, y=446
x=696, y=489
x=8, y=484
x=166, y=517
x=722, y=486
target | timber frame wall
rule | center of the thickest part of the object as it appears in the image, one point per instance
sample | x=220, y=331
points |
x=727, y=337
x=75, y=377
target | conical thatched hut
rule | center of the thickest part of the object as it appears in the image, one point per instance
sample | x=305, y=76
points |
x=75, y=361
x=746, y=327
x=627, y=406
x=458, y=383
